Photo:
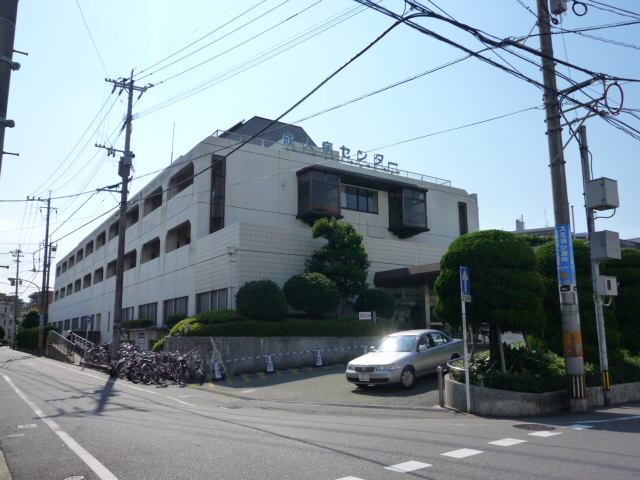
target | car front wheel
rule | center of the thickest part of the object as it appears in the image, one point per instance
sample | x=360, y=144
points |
x=407, y=377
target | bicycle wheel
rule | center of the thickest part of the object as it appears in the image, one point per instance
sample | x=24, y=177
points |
x=134, y=374
x=147, y=374
x=160, y=375
x=198, y=375
x=185, y=374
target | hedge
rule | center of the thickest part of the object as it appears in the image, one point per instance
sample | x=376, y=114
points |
x=138, y=323
x=28, y=338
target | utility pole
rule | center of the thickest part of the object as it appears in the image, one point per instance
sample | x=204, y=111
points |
x=570, y=313
x=124, y=170
x=595, y=273
x=44, y=293
x=17, y=253
x=8, y=15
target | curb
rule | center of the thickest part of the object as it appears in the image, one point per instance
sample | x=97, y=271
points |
x=4, y=469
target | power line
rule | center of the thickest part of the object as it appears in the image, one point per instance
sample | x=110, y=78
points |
x=91, y=37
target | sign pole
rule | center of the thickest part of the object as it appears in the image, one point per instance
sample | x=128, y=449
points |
x=465, y=296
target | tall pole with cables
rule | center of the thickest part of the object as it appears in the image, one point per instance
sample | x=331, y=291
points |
x=567, y=284
x=124, y=170
x=44, y=292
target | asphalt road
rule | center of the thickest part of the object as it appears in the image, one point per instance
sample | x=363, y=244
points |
x=59, y=422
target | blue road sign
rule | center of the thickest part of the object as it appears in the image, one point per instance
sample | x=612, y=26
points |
x=465, y=284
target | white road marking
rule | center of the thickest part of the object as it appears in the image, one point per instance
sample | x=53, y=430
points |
x=544, y=433
x=101, y=471
x=408, y=466
x=349, y=478
x=619, y=419
x=462, y=453
x=507, y=442
x=31, y=425
x=579, y=427
x=251, y=390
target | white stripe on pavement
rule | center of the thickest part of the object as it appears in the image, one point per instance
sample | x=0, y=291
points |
x=100, y=470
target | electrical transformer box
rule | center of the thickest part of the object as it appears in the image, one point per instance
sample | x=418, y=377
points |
x=602, y=194
x=605, y=245
x=558, y=6
x=607, y=286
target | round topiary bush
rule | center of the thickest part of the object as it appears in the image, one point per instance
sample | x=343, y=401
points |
x=261, y=300
x=173, y=320
x=379, y=301
x=312, y=293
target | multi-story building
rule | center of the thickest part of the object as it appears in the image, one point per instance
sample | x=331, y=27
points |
x=227, y=213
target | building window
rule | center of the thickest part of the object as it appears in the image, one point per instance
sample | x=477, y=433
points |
x=58, y=271
x=130, y=260
x=56, y=296
x=86, y=283
x=64, y=266
x=88, y=249
x=98, y=275
x=318, y=196
x=101, y=240
x=462, y=218
x=132, y=216
x=114, y=230
x=63, y=293
x=150, y=311
x=111, y=268
x=175, y=306
x=407, y=212
x=98, y=321
x=127, y=314
x=78, y=286
x=72, y=262
x=69, y=289
x=153, y=201
x=150, y=250
x=67, y=324
x=79, y=256
x=214, y=300
x=218, y=176
x=180, y=181
x=178, y=237
x=75, y=323
x=361, y=199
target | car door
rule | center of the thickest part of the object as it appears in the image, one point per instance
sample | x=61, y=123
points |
x=441, y=350
x=422, y=360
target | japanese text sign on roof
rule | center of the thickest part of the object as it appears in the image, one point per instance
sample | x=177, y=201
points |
x=565, y=260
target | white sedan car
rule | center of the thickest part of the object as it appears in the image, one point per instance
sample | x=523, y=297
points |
x=403, y=356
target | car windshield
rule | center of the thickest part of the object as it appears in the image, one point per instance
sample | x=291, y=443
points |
x=400, y=343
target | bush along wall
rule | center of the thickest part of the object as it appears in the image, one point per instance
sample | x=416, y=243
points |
x=28, y=337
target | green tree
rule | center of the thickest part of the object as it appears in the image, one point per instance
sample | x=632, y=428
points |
x=312, y=293
x=31, y=319
x=261, y=300
x=379, y=301
x=627, y=272
x=507, y=292
x=536, y=241
x=342, y=259
x=552, y=334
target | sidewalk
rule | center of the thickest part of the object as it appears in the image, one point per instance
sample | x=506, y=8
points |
x=4, y=470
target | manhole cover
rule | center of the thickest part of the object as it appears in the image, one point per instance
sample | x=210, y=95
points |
x=534, y=426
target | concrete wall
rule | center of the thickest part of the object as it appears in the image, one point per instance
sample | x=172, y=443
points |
x=503, y=403
x=238, y=353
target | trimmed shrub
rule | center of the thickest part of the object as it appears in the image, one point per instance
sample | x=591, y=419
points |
x=31, y=319
x=138, y=323
x=178, y=329
x=379, y=301
x=261, y=300
x=173, y=320
x=28, y=338
x=219, y=316
x=159, y=345
x=312, y=293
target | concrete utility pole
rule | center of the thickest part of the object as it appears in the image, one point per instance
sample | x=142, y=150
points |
x=44, y=293
x=570, y=313
x=124, y=170
x=595, y=273
x=17, y=253
x=8, y=15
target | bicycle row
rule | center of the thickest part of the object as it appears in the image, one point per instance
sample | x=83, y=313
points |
x=148, y=367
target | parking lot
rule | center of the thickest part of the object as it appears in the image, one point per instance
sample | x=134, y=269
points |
x=326, y=385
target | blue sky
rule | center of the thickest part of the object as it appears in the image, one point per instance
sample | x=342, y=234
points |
x=422, y=125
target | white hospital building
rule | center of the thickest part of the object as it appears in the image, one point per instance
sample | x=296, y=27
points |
x=218, y=217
